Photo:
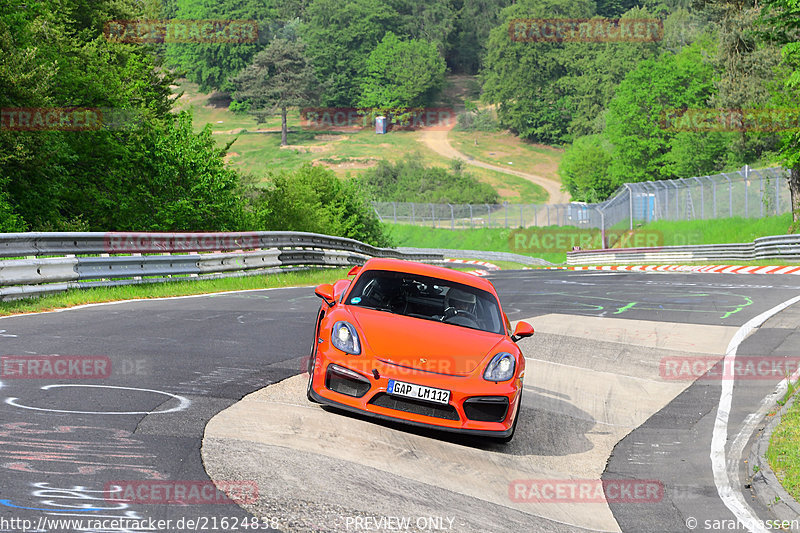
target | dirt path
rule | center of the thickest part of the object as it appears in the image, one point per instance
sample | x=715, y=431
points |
x=437, y=141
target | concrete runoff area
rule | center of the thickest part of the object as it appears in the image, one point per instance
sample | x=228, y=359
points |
x=589, y=382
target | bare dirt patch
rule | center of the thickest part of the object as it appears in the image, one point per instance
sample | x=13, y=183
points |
x=352, y=164
x=328, y=137
x=506, y=193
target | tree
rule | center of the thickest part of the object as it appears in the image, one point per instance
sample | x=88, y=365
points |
x=340, y=34
x=313, y=199
x=584, y=169
x=280, y=77
x=474, y=20
x=168, y=178
x=432, y=21
x=147, y=170
x=746, y=65
x=212, y=64
x=634, y=122
x=401, y=74
x=783, y=16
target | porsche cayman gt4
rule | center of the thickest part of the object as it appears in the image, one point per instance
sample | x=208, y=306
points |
x=420, y=344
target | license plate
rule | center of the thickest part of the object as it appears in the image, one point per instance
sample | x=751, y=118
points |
x=418, y=392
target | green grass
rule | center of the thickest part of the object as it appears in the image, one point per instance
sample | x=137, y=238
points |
x=783, y=453
x=502, y=148
x=667, y=233
x=512, y=189
x=484, y=239
x=75, y=297
x=719, y=231
x=345, y=152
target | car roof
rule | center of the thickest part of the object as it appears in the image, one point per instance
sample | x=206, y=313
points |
x=412, y=267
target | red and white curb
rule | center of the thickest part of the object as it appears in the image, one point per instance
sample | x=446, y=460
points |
x=717, y=269
x=489, y=266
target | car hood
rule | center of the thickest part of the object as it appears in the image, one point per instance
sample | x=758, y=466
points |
x=424, y=344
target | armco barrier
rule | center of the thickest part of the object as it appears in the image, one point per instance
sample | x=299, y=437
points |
x=109, y=259
x=783, y=247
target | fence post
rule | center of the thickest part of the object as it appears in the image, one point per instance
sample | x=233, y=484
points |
x=702, y=199
x=602, y=227
x=505, y=208
x=452, y=217
x=488, y=216
x=394, y=207
x=535, y=216
x=470, y=215
x=777, y=195
x=730, y=196
x=548, y=214
x=677, y=203
x=746, y=170
x=521, y=216
x=630, y=205
x=714, y=195
x=433, y=215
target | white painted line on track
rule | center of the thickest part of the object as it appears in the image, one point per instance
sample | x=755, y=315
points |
x=184, y=403
x=115, y=302
x=727, y=479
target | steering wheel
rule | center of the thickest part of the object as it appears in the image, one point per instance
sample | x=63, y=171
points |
x=452, y=312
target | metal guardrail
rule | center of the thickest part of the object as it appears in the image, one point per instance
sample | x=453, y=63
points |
x=79, y=260
x=782, y=247
x=482, y=255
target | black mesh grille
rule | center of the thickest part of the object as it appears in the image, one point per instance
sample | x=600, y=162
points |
x=486, y=408
x=448, y=412
x=345, y=385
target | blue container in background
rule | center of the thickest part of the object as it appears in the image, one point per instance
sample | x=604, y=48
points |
x=380, y=125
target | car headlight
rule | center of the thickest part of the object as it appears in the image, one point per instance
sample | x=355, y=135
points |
x=500, y=368
x=344, y=337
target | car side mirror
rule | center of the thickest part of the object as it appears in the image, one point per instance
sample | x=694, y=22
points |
x=325, y=291
x=522, y=330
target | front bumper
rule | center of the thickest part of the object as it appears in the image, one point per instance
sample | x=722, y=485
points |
x=476, y=407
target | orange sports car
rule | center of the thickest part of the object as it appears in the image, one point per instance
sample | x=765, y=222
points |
x=421, y=344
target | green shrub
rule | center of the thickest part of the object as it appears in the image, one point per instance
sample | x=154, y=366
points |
x=477, y=120
x=313, y=199
x=239, y=108
x=412, y=181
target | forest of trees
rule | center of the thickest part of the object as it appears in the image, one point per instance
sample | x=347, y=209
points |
x=605, y=102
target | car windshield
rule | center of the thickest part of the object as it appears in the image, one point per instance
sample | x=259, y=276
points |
x=427, y=298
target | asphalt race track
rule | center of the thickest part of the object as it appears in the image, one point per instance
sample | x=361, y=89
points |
x=164, y=406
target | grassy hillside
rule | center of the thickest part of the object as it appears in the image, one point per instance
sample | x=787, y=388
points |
x=256, y=148
x=728, y=230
